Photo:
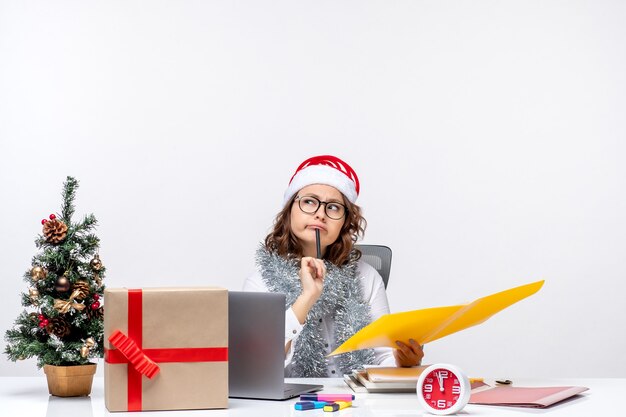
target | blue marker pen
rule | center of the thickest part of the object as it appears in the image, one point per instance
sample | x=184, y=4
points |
x=310, y=405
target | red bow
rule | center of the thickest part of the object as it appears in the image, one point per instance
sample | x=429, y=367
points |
x=134, y=354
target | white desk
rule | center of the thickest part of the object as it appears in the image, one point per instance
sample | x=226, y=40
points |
x=28, y=396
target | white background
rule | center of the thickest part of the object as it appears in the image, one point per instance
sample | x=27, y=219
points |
x=488, y=136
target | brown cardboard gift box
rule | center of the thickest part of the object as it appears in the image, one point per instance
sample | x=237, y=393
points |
x=166, y=348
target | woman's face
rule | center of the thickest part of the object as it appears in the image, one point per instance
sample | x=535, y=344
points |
x=303, y=224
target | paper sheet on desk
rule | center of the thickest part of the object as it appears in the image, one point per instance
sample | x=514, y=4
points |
x=430, y=324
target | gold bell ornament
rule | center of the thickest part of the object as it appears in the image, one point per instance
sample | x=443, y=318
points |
x=86, y=348
x=84, y=351
x=96, y=263
x=38, y=273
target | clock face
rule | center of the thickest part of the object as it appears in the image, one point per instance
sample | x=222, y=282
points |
x=443, y=389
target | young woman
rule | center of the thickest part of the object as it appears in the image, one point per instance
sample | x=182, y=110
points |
x=328, y=299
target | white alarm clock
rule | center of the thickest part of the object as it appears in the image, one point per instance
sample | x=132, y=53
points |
x=443, y=389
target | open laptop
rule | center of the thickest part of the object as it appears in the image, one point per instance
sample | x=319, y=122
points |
x=256, y=348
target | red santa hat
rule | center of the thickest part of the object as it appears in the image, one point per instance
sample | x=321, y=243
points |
x=327, y=170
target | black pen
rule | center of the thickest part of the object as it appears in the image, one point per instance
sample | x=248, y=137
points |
x=317, y=244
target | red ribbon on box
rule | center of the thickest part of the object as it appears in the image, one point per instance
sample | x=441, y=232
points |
x=143, y=361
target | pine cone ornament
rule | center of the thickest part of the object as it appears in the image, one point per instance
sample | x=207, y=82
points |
x=58, y=327
x=54, y=231
x=81, y=288
x=95, y=314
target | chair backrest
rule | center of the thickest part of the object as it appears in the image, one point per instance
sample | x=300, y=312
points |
x=379, y=257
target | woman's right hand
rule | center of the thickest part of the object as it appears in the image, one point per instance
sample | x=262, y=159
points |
x=312, y=273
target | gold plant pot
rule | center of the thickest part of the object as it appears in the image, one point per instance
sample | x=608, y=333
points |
x=70, y=381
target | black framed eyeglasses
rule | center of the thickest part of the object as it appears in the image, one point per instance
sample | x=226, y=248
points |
x=310, y=205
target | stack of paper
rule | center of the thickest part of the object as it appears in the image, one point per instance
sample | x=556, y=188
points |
x=391, y=379
x=384, y=379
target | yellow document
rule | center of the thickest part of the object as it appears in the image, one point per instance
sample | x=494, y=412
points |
x=430, y=324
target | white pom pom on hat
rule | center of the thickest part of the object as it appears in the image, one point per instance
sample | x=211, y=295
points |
x=326, y=170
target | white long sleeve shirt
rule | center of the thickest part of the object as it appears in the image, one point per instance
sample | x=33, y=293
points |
x=373, y=293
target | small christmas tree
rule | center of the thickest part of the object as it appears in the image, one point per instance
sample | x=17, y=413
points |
x=65, y=291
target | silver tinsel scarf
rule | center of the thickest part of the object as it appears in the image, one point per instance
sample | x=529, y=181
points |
x=342, y=299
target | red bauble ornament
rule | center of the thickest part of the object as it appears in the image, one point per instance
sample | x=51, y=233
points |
x=42, y=325
x=95, y=305
x=52, y=217
x=96, y=297
x=41, y=317
x=44, y=221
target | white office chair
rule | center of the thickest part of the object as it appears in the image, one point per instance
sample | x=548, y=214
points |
x=379, y=257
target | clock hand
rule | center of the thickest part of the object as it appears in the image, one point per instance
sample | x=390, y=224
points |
x=440, y=379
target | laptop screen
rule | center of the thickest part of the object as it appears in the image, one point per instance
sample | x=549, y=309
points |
x=256, y=343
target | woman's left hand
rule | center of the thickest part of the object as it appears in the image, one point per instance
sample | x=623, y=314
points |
x=408, y=355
